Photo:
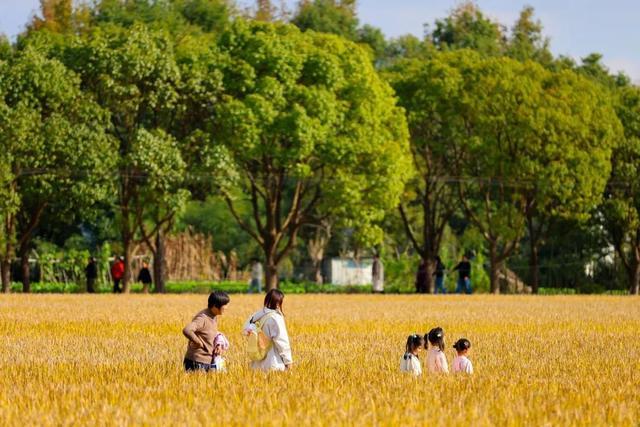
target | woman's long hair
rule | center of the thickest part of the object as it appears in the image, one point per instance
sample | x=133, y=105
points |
x=273, y=300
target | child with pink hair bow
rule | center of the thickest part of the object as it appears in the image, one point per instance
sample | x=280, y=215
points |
x=220, y=346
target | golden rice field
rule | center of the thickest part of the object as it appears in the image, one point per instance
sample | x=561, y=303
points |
x=116, y=360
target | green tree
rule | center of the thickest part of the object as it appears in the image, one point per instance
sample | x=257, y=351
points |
x=526, y=41
x=339, y=17
x=486, y=167
x=375, y=39
x=210, y=15
x=621, y=208
x=133, y=74
x=57, y=16
x=53, y=150
x=432, y=93
x=6, y=49
x=178, y=17
x=534, y=138
x=327, y=16
x=468, y=28
x=306, y=125
x=265, y=11
x=573, y=129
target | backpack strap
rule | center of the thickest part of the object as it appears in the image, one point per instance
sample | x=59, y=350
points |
x=260, y=322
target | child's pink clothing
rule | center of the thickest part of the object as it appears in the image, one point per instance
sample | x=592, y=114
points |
x=462, y=364
x=437, y=361
x=222, y=341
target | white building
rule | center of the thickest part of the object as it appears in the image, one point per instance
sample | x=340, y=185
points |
x=348, y=271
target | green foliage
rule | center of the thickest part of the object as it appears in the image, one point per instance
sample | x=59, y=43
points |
x=212, y=217
x=468, y=28
x=295, y=127
x=134, y=75
x=306, y=123
x=339, y=17
x=195, y=287
x=527, y=41
x=179, y=17
x=621, y=207
x=5, y=48
x=53, y=145
x=399, y=273
x=328, y=16
x=190, y=287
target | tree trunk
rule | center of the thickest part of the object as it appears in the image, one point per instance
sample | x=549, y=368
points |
x=316, y=247
x=430, y=284
x=534, y=260
x=5, y=267
x=128, y=253
x=494, y=274
x=159, y=265
x=317, y=271
x=24, y=268
x=634, y=278
x=271, y=274
x=534, y=268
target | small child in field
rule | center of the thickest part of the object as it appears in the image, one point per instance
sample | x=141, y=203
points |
x=410, y=362
x=461, y=363
x=221, y=344
x=436, y=359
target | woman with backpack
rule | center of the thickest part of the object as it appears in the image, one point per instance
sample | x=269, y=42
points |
x=267, y=338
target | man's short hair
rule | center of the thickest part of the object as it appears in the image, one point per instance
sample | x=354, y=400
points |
x=218, y=298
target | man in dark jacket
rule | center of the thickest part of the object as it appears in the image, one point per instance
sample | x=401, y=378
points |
x=144, y=276
x=91, y=272
x=439, y=275
x=464, y=275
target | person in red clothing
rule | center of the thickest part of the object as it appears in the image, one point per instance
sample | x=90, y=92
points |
x=117, y=273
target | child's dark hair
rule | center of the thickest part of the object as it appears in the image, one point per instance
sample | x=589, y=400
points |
x=414, y=341
x=436, y=337
x=462, y=344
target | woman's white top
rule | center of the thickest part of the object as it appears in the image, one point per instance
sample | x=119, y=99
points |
x=280, y=353
x=411, y=364
x=437, y=361
x=462, y=364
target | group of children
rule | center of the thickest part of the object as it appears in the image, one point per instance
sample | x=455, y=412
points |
x=433, y=342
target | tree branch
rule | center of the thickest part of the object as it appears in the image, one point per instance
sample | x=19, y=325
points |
x=240, y=222
x=409, y=231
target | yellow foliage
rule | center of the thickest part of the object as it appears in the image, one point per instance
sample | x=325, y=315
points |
x=117, y=360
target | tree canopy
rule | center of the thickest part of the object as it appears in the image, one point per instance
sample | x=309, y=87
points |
x=306, y=123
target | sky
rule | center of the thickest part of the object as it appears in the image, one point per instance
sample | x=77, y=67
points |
x=575, y=27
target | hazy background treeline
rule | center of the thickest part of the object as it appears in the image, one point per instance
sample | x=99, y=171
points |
x=199, y=135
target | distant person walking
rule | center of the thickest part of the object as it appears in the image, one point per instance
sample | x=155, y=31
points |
x=439, y=275
x=377, y=273
x=91, y=273
x=421, y=278
x=270, y=321
x=256, y=277
x=464, y=275
x=202, y=332
x=117, y=273
x=144, y=276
